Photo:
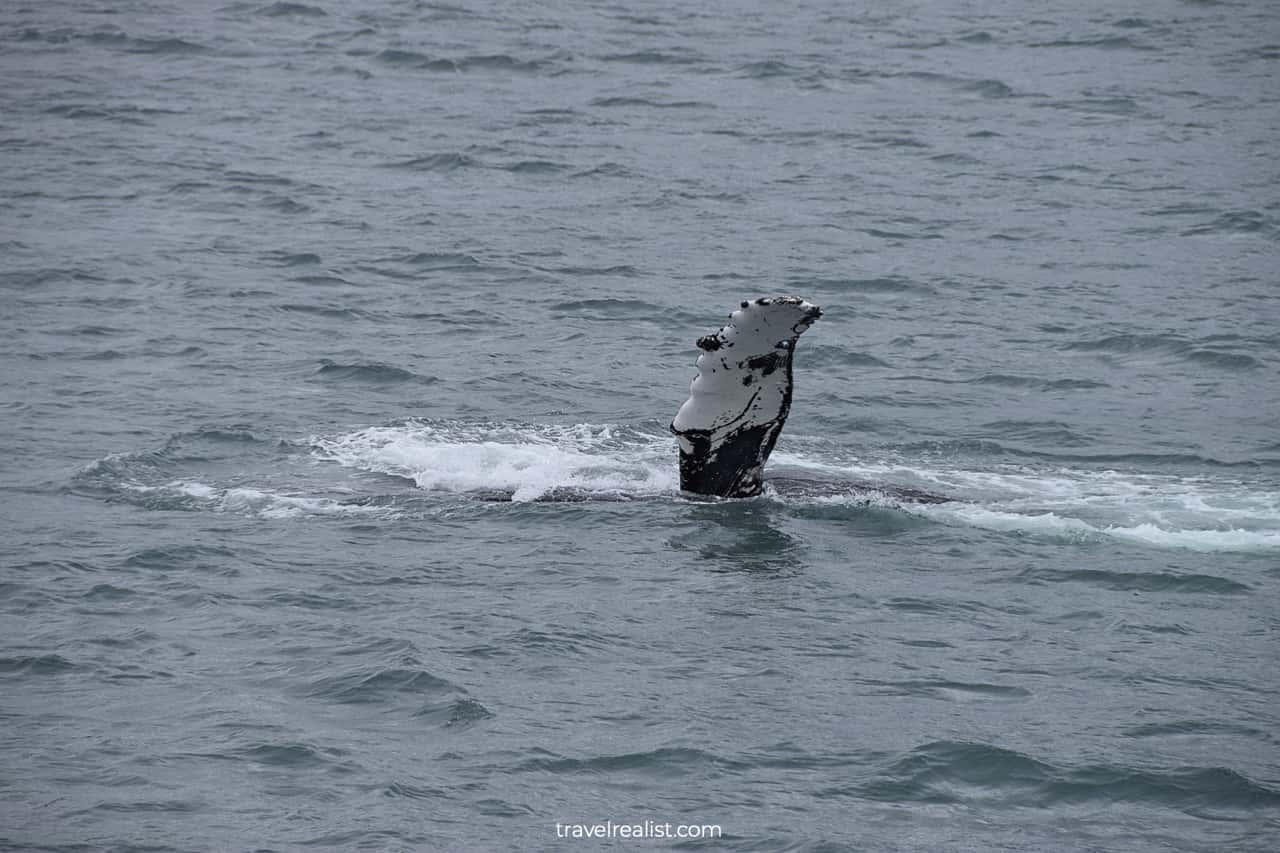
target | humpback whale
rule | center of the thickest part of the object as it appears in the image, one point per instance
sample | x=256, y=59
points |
x=741, y=397
x=737, y=406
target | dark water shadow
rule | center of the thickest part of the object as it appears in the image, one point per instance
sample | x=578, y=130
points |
x=740, y=536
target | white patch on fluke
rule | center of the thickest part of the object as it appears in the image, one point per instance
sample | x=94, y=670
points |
x=740, y=399
x=718, y=397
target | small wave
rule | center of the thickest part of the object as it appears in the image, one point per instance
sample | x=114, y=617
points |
x=552, y=115
x=1051, y=433
x=1140, y=581
x=460, y=713
x=286, y=10
x=487, y=62
x=165, y=46
x=439, y=260
x=989, y=88
x=375, y=373
x=930, y=772
x=76, y=111
x=143, y=807
x=333, y=311
x=536, y=167
x=377, y=685
x=35, y=665
x=1130, y=343
x=768, y=68
x=1266, y=51
x=823, y=355
x=446, y=162
x=628, y=310
x=606, y=170
x=954, y=691
x=393, y=56
x=169, y=556
x=675, y=56
x=899, y=235
x=953, y=447
x=1008, y=380
x=257, y=178
x=1194, y=727
x=1226, y=360
x=619, y=269
x=1168, y=344
x=416, y=792
x=500, y=62
x=959, y=159
x=886, y=285
x=1011, y=381
x=957, y=772
x=1102, y=42
x=92, y=330
x=292, y=755
x=317, y=281
x=664, y=762
x=558, y=642
x=123, y=475
x=1089, y=106
x=293, y=259
x=26, y=279
x=896, y=141
x=184, y=187
x=446, y=11
x=646, y=102
x=285, y=204
x=107, y=592
x=1234, y=222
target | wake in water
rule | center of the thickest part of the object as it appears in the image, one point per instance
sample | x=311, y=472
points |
x=415, y=468
x=1076, y=504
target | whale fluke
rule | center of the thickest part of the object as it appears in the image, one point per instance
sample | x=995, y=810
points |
x=741, y=397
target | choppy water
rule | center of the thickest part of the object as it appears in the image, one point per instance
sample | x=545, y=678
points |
x=290, y=289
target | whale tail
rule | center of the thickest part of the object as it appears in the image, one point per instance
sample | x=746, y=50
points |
x=741, y=397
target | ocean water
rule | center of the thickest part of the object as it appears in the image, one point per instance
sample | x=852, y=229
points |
x=291, y=292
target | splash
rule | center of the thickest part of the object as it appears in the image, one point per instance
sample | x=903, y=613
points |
x=527, y=461
x=414, y=467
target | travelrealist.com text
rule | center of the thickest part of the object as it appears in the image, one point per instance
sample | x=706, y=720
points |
x=645, y=829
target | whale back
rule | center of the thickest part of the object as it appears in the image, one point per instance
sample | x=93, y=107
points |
x=741, y=397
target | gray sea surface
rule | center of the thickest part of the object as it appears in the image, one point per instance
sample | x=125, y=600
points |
x=306, y=310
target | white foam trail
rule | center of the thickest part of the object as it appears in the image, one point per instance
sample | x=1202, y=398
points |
x=527, y=461
x=249, y=501
x=1075, y=529
x=1194, y=513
